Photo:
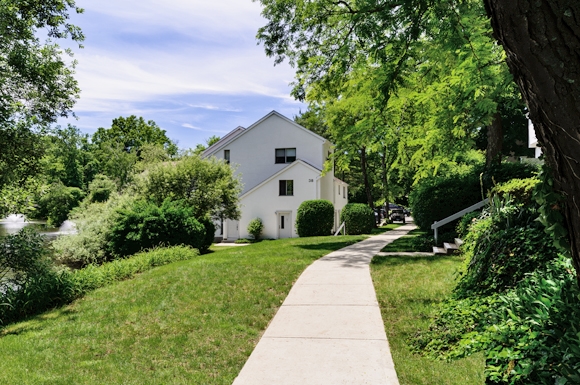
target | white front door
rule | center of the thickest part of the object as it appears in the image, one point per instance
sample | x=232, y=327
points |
x=232, y=230
x=285, y=225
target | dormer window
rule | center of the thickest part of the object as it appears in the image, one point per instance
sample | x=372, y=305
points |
x=285, y=155
x=227, y=156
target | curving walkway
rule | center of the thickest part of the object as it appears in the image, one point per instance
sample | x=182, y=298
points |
x=329, y=329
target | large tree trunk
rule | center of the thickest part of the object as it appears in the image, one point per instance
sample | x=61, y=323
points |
x=494, y=141
x=542, y=43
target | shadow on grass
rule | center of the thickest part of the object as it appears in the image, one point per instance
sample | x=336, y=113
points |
x=36, y=322
x=330, y=246
x=397, y=260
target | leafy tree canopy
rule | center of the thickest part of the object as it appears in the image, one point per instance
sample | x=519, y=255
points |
x=36, y=84
x=132, y=134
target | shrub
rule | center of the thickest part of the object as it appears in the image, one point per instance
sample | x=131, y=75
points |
x=145, y=225
x=436, y=198
x=314, y=218
x=208, y=185
x=94, y=222
x=359, y=218
x=100, y=188
x=22, y=255
x=255, y=228
x=43, y=292
x=209, y=238
x=56, y=204
x=465, y=222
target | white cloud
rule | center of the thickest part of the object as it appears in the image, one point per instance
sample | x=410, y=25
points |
x=187, y=125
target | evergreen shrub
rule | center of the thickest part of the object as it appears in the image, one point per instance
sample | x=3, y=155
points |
x=100, y=188
x=359, y=218
x=315, y=218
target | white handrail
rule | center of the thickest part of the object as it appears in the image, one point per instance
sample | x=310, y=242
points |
x=435, y=226
x=340, y=228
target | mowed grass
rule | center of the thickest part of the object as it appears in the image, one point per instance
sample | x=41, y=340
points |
x=191, y=322
x=408, y=290
x=382, y=229
x=404, y=243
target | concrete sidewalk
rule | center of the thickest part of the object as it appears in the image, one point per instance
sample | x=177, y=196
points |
x=329, y=329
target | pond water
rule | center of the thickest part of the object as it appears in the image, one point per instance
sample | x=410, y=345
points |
x=15, y=222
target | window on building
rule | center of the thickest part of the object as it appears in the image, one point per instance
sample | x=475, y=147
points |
x=285, y=155
x=344, y=191
x=227, y=156
x=338, y=190
x=286, y=187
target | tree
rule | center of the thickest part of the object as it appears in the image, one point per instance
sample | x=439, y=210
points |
x=37, y=85
x=132, y=134
x=208, y=185
x=542, y=42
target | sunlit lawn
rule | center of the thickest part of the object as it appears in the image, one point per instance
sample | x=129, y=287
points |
x=408, y=290
x=191, y=322
x=404, y=243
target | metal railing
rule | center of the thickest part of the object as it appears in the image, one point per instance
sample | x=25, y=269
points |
x=435, y=226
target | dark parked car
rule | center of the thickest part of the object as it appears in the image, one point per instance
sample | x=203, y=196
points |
x=398, y=215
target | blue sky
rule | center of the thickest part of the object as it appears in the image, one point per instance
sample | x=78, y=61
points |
x=192, y=66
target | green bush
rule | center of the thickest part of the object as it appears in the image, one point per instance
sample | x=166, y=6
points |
x=94, y=222
x=22, y=255
x=43, y=292
x=255, y=228
x=359, y=218
x=209, y=238
x=315, y=218
x=465, y=222
x=59, y=200
x=434, y=199
x=101, y=188
x=145, y=225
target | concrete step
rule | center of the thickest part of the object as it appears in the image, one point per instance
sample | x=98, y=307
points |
x=450, y=247
x=458, y=242
x=439, y=250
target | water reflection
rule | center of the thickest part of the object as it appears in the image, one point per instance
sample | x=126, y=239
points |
x=15, y=222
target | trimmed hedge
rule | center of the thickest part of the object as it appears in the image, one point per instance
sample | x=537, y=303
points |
x=315, y=218
x=359, y=218
x=43, y=292
x=434, y=199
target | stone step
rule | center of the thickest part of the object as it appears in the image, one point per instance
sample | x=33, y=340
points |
x=458, y=242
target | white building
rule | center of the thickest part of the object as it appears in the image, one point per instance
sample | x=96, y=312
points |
x=280, y=165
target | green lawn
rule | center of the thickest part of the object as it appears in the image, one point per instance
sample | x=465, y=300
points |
x=408, y=289
x=404, y=243
x=191, y=322
x=382, y=229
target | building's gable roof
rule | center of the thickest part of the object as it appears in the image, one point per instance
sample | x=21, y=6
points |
x=223, y=141
x=277, y=174
x=236, y=134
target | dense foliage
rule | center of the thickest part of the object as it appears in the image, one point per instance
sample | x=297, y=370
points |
x=144, y=225
x=207, y=185
x=37, y=80
x=59, y=200
x=41, y=292
x=94, y=222
x=516, y=298
x=314, y=218
x=436, y=198
x=359, y=218
x=255, y=228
